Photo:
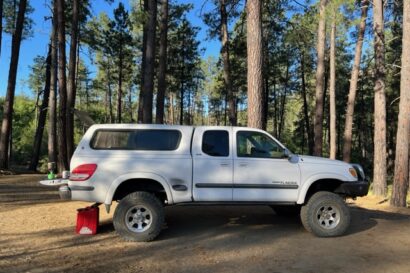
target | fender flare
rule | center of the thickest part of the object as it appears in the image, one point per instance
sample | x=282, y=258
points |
x=312, y=179
x=137, y=175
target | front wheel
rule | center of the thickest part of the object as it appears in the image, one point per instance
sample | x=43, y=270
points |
x=325, y=215
x=139, y=217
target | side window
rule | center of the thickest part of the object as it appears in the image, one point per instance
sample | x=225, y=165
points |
x=148, y=140
x=257, y=145
x=216, y=143
x=110, y=140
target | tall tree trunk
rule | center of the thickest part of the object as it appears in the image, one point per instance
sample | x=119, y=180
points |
x=306, y=106
x=254, y=53
x=283, y=103
x=171, y=109
x=143, y=66
x=379, y=173
x=401, y=168
x=149, y=61
x=181, y=104
x=320, y=75
x=62, y=88
x=347, y=136
x=119, y=93
x=1, y=23
x=130, y=103
x=162, y=68
x=42, y=117
x=5, y=134
x=275, y=109
x=71, y=84
x=226, y=63
x=332, y=91
x=111, y=114
x=52, y=115
x=266, y=90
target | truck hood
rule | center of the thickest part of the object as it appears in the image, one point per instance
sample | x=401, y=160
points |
x=320, y=160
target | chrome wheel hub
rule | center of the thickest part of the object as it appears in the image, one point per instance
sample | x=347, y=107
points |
x=138, y=218
x=328, y=217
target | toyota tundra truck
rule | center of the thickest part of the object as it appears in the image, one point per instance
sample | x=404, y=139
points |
x=147, y=167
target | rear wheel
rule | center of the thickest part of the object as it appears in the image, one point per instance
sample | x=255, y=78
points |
x=139, y=217
x=325, y=215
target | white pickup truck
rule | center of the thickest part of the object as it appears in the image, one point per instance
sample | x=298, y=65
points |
x=146, y=167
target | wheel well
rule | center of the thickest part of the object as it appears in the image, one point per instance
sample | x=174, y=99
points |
x=147, y=185
x=322, y=185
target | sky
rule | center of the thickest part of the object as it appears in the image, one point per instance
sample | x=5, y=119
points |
x=38, y=43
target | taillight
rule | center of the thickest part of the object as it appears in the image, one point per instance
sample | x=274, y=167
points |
x=83, y=172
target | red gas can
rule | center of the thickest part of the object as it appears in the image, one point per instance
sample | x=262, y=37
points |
x=87, y=220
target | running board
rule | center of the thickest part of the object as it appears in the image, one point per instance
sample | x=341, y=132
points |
x=236, y=203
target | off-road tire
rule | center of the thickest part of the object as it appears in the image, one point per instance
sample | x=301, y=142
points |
x=143, y=199
x=311, y=215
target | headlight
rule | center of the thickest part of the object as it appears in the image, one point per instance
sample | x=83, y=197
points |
x=353, y=172
x=359, y=171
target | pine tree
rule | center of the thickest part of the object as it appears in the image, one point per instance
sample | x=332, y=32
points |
x=347, y=136
x=401, y=170
x=379, y=170
x=320, y=75
x=162, y=67
x=11, y=87
x=254, y=49
x=71, y=84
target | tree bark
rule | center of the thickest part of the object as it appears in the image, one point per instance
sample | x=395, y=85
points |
x=62, y=87
x=52, y=115
x=347, y=136
x=162, y=68
x=320, y=75
x=42, y=117
x=254, y=53
x=130, y=103
x=171, y=109
x=283, y=103
x=71, y=84
x=379, y=173
x=111, y=113
x=181, y=104
x=143, y=65
x=149, y=61
x=332, y=91
x=401, y=168
x=1, y=23
x=119, y=93
x=226, y=63
x=5, y=134
x=275, y=110
x=306, y=106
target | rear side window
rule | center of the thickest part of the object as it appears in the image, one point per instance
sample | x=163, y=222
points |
x=216, y=143
x=151, y=140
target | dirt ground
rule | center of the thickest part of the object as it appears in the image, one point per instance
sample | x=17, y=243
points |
x=37, y=235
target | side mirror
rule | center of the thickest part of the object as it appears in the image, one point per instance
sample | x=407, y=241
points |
x=286, y=153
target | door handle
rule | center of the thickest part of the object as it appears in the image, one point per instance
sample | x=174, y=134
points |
x=243, y=164
x=225, y=164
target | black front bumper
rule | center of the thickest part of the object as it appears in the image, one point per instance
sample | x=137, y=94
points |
x=353, y=189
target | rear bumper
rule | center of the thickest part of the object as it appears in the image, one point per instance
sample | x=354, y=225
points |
x=353, y=189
